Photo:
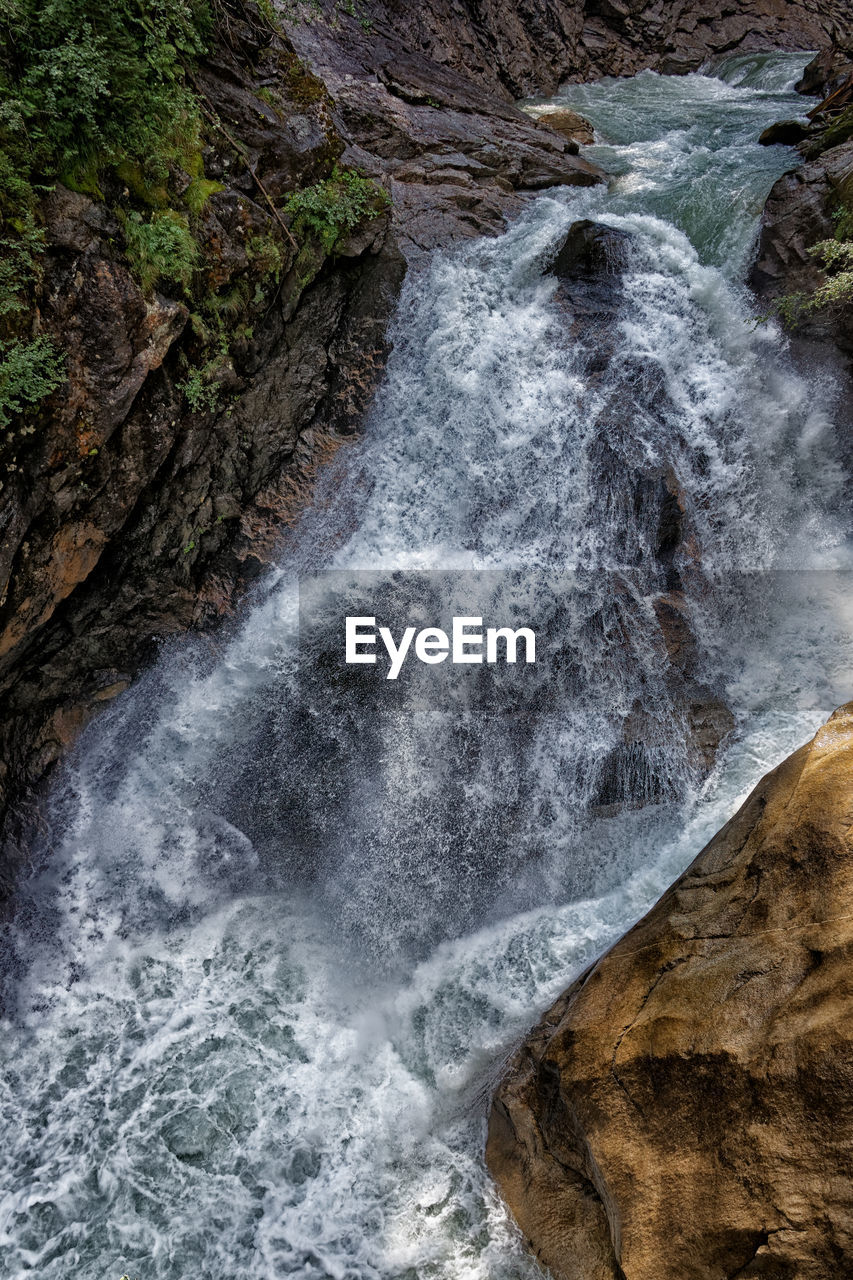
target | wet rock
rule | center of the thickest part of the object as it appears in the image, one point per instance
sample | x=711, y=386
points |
x=827, y=71
x=127, y=516
x=786, y=133
x=592, y=249
x=798, y=214
x=685, y=1109
x=520, y=50
x=630, y=776
x=454, y=153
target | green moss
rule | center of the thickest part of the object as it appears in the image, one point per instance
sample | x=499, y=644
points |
x=303, y=86
x=199, y=192
x=85, y=178
x=267, y=255
x=272, y=98
x=839, y=129
x=140, y=186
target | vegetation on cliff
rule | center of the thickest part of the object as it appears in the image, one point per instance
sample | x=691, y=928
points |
x=102, y=96
x=835, y=258
x=88, y=87
x=831, y=127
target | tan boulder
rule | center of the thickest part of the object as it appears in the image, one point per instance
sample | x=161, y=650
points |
x=570, y=124
x=685, y=1109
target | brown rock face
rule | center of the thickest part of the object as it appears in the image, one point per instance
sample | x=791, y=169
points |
x=685, y=1110
x=570, y=124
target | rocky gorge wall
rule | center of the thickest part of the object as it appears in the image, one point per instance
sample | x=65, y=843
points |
x=139, y=499
x=685, y=1109
x=533, y=47
x=809, y=206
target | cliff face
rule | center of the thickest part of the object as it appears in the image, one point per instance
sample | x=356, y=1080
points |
x=686, y=1108
x=797, y=216
x=139, y=496
x=812, y=204
x=532, y=47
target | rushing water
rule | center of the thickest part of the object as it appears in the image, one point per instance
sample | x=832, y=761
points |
x=264, y=982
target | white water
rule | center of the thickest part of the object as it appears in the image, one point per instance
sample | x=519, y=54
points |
x=265, y=982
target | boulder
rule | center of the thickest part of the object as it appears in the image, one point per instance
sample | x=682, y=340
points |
x=798, y=215
x=569, y=124
x=785, y=133
x=827, y=71
x=685, y=1109
x=592, y=249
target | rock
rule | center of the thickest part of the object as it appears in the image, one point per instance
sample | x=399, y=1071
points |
x=515, y=50
x=592, y=249
x=453, y=153
x=127, y=514
x=569, y=124
x=827, y=71
x=685, y=1110
x=786, y=133
x=797, y=215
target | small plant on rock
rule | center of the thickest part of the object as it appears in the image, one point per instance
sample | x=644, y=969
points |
x=29, y=371
x=335, y=206
x=161, y=248
x=836, y=258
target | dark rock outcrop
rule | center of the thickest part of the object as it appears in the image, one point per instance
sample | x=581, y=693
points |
x=685, y=1109
x=785, y=133
x=828, y=70
x=515, y=50
x=804, y=207
x=798, y=215
x=592, y=249
x=128, y=515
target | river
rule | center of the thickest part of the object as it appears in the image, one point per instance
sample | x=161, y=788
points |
x=274, y=952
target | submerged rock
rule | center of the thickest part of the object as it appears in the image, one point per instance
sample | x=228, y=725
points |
x=685, y=1109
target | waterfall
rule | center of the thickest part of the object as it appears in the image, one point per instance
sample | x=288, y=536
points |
x=278, y=940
